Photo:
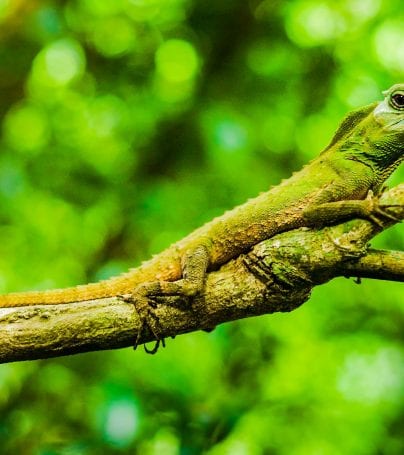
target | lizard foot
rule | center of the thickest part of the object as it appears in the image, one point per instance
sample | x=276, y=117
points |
x=376, y=212
x=149, y=321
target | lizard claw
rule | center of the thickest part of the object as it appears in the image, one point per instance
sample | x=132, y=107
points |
x=155, y=347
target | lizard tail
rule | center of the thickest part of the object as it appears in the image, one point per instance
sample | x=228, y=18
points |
x=108, y=288
x=166, y=267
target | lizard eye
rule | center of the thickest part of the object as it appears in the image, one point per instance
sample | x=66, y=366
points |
x=397, y=101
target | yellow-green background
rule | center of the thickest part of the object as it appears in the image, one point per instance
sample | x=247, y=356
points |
x=124, y=125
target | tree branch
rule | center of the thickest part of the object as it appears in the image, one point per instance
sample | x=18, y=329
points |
x=379, y=265
x=277, y=275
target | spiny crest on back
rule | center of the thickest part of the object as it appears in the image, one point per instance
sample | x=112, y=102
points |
x=349, y=124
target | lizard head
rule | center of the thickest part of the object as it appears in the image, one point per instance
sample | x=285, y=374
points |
x=374, y=135
x=385, y=132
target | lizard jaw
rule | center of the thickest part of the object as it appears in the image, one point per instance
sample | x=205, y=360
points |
x=388, y=118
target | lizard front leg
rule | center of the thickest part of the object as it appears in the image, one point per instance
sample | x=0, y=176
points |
x=147, y=296
x=336, y=211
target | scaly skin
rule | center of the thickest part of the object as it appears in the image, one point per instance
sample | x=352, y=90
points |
x=366, y=148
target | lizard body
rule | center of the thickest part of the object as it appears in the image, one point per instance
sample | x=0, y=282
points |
x=367, y=147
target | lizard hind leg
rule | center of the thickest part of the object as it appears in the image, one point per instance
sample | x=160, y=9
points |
x=148, y=296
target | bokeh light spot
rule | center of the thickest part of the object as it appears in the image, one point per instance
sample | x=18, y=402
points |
x=267, y=58
x=371, y=378
x=230, y=136
x=388, y=44
x=177, y=60
x=113, y=36
x=5, y=8
x=277, y=132
x=26, y=128
x=106, y=114
x=363, y=9
x=227, y=137
x=165, y=442
x=121, y=423
x=59, y=63
x=48, y=22
x=311, y=23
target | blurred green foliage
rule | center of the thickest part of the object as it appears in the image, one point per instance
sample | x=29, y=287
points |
x=126, y=124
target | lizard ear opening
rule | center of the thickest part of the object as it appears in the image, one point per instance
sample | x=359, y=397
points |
x=349, y=123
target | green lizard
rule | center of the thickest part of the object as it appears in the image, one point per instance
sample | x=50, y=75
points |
x=340, y=183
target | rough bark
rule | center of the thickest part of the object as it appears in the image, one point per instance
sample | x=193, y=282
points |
x=277, y=275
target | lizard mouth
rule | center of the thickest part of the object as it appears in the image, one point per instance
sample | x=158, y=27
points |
x=391, y=121
x=399, y=123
